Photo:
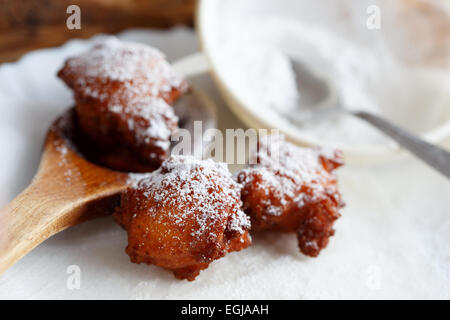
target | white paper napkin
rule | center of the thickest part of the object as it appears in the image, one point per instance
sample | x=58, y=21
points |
x=393, y=240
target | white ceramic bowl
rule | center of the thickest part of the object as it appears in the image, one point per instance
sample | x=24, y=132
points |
x=209, y=15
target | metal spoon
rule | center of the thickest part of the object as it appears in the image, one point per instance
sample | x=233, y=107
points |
x=326, y=102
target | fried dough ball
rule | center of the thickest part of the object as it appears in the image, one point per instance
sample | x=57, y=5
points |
x=184, y=216
x=292, y=189
x=122, y=93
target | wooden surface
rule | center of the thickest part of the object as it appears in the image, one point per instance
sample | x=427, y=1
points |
x=32, y=24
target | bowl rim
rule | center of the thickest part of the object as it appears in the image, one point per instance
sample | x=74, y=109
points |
x=361, y=154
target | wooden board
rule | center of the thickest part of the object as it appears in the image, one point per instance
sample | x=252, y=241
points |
x=32, y=24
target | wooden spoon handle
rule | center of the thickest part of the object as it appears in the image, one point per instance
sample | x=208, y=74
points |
x=41, y=211
x=27, y=221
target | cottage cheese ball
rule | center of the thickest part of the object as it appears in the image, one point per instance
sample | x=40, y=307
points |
x=184, y=216
x=292, y=189
x=123, y=93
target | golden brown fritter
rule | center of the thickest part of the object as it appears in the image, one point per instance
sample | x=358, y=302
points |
x=122, y=93
x=184, y=216
x=292, y=189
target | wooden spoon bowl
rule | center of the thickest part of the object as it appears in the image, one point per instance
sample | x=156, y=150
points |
x=66, y=190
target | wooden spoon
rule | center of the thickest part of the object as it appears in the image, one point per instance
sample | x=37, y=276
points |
x=66, y=190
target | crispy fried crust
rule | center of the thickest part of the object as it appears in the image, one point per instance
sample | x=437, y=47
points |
x=122, y=93
x=184, y=216
x=291, y=189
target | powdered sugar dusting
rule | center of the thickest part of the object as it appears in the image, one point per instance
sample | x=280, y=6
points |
x=150, y=119
x=115, y=60
x=131, y=83
x=283, y=168
x=200, y=188
x=62, y=150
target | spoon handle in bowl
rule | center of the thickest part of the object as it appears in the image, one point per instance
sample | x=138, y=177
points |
x=434, y=156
